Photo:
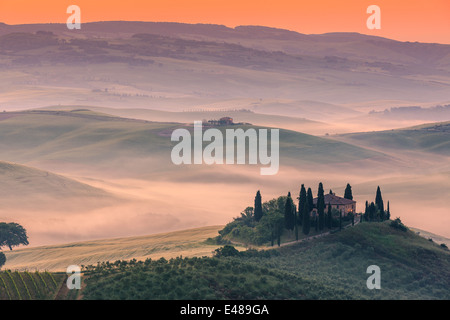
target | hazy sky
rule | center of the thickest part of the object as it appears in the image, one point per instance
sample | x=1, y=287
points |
x=406, y=20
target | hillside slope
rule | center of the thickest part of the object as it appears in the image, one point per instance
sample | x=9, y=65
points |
x=67, y=139
x=169, y=245
x=39, y=186
x=433, y=138
x=332, y=267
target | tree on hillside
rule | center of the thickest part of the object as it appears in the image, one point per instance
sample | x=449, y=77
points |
x=329, y=217
x=388, y=212
x=301, y=203
x=366, y=211
x=12, y=235
x=331, y=191
x=310, y=200
x=372, y=212
x=289, y=214
x=258, y=207
x=321, y=207
x=348, y=192
x=272, y=223
x=306, y=217
x=379, y=203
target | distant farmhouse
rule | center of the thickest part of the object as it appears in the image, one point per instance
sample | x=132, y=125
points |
x=225, y=121
x=345, y=206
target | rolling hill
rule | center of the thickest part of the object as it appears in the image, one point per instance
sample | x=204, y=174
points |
x=39, y=186
x=330, y=267
x=431, y=138
x=177, y=66
x=91, y=141
x=186, y=243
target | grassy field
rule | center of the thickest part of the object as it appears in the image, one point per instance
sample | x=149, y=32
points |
x=187, y=243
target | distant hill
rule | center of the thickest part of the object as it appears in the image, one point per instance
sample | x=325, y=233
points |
x=170, y=66
x=433, y=138
x=19, y=182
x=129, y=147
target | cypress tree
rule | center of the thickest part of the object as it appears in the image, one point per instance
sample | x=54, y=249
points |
x=372, y=211
x=321, y=207
x=306, y=217
x=301, y=203
x=340, y=219
x=258, y=207
x=388, y=212
x=379, y=203
x=348, y=192
x=310, y=200
x=330, y=218
x=366, y=212
x=289, y=215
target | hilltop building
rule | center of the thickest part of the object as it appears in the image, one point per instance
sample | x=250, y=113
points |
x=341, y=204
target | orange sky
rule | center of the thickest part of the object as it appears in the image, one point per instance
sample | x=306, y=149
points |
x=406, y=20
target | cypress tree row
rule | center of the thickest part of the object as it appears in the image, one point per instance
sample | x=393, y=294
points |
x=258, y=207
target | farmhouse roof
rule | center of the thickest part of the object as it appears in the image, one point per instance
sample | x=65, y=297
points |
x=334, y=200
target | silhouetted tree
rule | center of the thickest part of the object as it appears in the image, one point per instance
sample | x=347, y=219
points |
x=306, y=218
x=329, y=217
x=372, y=212
x=289, y=215
x=388, y=212
x=301, y=203
x=379, y=203
x=348, y=192
x=310, y=200
x=321, y=207
x=258, y=207
x=12, y=235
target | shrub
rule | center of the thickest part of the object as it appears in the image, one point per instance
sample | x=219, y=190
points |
x=226, y=251
x=397, y=224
